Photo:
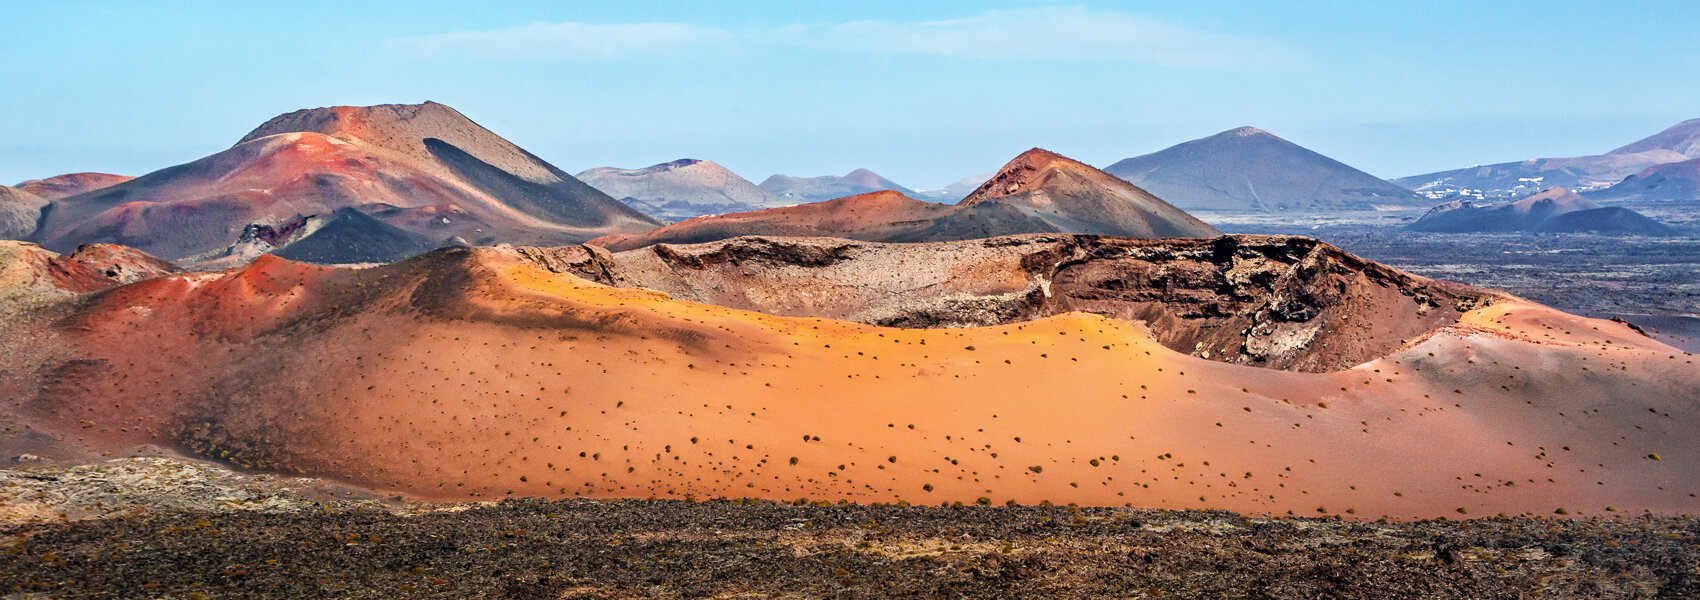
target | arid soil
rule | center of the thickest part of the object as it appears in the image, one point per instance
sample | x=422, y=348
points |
x=679, y=549
x=475, y=374
x=155, y=480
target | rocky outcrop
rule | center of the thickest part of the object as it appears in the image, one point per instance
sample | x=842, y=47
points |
x=1281, y=302
x=31, y=275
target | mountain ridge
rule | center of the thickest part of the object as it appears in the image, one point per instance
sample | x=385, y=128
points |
x=680, y=189
x=1036, y=192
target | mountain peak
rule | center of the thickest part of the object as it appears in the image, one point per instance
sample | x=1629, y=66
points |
x=402, y=129
x=683, y=162
x=1247, y=168
x=1026, y=171
x=1557, y=199
x=1682, y=137
x=1072, y=196
x=355, y=121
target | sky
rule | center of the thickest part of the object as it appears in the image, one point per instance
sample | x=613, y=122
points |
x=922, y=92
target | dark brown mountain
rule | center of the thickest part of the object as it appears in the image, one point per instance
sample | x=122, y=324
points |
x=424, y=157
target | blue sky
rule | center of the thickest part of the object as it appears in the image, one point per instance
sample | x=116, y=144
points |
x=923, y=92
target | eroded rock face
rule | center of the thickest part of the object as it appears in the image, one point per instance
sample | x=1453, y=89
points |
x=1288, y=303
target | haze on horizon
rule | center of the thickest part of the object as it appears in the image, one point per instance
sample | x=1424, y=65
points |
x=923, y=94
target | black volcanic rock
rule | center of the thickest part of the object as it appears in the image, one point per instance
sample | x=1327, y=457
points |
x=1253, y=170
x=350, y=236
x=1613, y=220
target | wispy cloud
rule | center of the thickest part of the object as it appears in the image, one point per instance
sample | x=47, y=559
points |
x=1050, y=33
x=562, y=41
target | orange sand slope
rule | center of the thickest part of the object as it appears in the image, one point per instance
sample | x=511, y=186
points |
x=469, y=373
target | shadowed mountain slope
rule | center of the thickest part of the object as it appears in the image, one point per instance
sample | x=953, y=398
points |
x=19, y=213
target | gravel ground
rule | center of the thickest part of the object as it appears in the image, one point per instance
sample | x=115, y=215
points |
x=721, y=549
x=138, y=485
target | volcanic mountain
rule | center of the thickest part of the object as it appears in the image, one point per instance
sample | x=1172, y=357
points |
x=19, y=212
x=424, y=157
x=1678, y=143
x=956, y=191
x=63, y=186
x=1279, y=302
x=1682, y=138
x=480, y=373
x=681, y=189
x=1668, y=184
x=827, y=187
x=1038, y=192
x=1249, y=169
x=1557, y=210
